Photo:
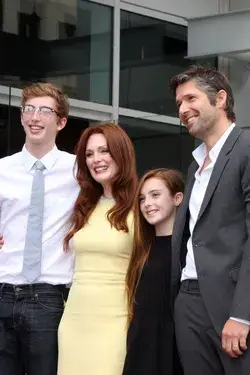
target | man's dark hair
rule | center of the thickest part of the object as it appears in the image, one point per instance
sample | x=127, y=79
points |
x=210, y=81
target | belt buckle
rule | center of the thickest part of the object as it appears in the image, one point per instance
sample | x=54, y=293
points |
x=17, y=289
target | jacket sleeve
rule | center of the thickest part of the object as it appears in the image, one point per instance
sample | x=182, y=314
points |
x=241, y=300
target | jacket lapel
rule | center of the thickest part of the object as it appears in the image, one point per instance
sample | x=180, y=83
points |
x=189, y=187
x=219, y=167
x=182, y=211
x=179, y=226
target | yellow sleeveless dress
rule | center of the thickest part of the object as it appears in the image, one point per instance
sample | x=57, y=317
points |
x=92, y=332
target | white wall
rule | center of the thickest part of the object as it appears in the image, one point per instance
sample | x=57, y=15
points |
x=239, y=75
x=239, y=4
x=183, y=8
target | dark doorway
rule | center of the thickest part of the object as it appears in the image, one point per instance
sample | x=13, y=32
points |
x=69, y=136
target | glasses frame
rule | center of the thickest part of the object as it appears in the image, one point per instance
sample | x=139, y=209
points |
x=38, y=109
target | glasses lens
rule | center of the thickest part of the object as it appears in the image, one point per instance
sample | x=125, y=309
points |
x=46, y=111
x=28, y=109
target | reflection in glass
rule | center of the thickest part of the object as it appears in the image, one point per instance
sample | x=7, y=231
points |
x=158, y=144
x=152, y=51
x=67, y=42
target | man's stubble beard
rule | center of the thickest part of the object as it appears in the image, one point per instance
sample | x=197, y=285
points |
x=204, y=127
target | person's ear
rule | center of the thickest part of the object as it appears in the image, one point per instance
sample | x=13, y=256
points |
x=61, y=123
x=221, y=99
x=178, y=199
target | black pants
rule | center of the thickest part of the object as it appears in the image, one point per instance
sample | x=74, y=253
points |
x=198, y=343
x=29, y=319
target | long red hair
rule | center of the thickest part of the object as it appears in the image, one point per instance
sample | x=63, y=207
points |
x=123, y=185
x=144, y=234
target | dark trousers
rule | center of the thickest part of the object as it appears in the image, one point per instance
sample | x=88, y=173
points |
x=198, y=343
x=29, y=319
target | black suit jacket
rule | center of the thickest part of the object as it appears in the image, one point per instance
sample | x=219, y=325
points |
x=221, y=240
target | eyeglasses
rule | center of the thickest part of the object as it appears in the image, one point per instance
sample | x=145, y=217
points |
x=46, y=112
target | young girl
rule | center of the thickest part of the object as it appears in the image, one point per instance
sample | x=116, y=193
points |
x=150, y=339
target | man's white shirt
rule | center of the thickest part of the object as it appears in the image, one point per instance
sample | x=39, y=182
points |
x=61, y=191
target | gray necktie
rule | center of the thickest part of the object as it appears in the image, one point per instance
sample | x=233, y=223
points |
x=33, y=242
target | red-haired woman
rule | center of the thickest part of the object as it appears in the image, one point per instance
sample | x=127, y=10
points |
x=150, y=340
x=92, y=332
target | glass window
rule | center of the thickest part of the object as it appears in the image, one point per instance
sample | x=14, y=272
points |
x=152, y=51
x=159, y=145
x=12, y=136
x=68, y=42
x=4, y=123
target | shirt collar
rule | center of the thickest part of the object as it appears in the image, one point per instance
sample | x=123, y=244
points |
x=200, y=152
x=48, y=160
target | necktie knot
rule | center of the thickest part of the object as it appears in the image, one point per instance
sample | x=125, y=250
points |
x=39, y=165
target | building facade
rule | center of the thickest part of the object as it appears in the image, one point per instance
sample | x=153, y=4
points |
x=113, y=58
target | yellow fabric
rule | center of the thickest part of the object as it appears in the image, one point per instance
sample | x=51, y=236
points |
x=92, y=332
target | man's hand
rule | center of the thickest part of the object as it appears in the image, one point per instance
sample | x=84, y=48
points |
x=1, y=241
x=234, y=338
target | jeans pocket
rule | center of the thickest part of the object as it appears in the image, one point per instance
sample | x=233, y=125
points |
x=54, y=301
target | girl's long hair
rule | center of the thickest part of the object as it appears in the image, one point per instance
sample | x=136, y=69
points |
x=123, y=184
x=144, y=234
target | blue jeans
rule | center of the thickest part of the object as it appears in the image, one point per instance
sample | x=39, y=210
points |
x=29, y=319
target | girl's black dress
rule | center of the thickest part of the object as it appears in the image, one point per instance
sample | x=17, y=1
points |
x=150, y=340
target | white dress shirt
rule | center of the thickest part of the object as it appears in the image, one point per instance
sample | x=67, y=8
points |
x=61, y=191
x=202, y=178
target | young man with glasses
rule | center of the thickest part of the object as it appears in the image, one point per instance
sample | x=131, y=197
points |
x=37, y=194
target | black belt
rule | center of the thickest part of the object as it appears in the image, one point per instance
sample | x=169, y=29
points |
x=31, y=288
x=190, y=284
